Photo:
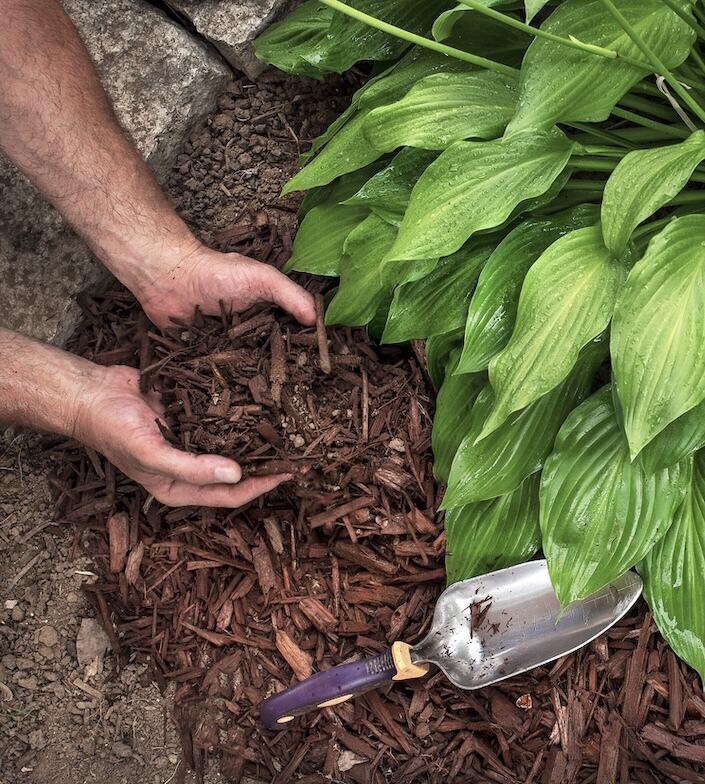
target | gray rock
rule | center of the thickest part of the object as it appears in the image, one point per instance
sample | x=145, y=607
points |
x=161, y=81
x=160, y=78
x=29, y=682
x=231, y=26
x=9, y=661
x=48, y=636
x=91, y=644
x=36, y=740
x=121, y=750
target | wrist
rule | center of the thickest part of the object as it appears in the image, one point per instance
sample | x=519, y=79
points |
x=43, y=387
x=143, y=260
x=86, y=411
x=79, y=384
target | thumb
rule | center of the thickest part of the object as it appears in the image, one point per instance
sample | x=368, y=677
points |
x=193, y=469
x=280, y=289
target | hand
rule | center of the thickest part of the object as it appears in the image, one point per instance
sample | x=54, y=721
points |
x=116, y=419
x=205, y=277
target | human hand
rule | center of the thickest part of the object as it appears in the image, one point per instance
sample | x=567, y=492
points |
x=116, y=419
x=203, y=277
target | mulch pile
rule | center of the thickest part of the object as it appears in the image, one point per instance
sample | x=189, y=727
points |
x=232, y=605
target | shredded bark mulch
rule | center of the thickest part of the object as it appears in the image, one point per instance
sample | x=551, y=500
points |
x=231, y=606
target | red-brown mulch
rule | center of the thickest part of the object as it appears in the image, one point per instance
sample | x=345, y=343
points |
x=233, y=605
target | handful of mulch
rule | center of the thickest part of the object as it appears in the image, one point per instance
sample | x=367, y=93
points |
x=281, y=398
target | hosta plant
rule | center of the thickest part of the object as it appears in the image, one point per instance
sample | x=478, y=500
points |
x=520, y=185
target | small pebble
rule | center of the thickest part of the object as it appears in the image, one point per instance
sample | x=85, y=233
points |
x=397, y=445
x=48, y=636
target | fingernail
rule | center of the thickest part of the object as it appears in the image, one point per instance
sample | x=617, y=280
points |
x=227, y=474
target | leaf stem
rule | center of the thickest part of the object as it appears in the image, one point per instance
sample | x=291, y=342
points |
x=600, y=135
x=655, y=60
x=602, y=150
x=663, y=112
x=537, y=32
x=585, y=185
x=639, y=135
x=419, y=40
x=667, y=131
x=593, y=164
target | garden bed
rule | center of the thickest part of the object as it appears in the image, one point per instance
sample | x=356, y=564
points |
x=341, y=561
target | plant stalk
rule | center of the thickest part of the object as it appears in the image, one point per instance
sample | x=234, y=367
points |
x=537, y=32
x=655, y=60
x=667, y=131
x=419, y=40
x=661, y=111
x=600, y=135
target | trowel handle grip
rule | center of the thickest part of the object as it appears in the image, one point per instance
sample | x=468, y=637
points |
x=328, y=688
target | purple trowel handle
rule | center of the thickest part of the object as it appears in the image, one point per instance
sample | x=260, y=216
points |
x=327, y=688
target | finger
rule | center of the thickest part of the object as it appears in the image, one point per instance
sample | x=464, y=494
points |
x=154, y=401
x=191, y=469
x=288, y=295
x=228, y=496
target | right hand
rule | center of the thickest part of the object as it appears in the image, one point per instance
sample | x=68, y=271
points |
x=116, y=419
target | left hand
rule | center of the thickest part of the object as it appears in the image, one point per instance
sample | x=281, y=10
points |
x=204, y=278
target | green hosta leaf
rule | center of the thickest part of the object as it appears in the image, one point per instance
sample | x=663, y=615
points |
x=658, y=335
x=454, y=404
x=475, y=185
x=673, y=576
x=348, y=149
x=499, y=463
x=318, y=247
x=438, y=349
x=361, y=291
x=559, y=83
x=643, y=182
x=438, y=302
x=444, y=108
x=444, y=25
x=387, y=193
x=601, y=513
x=363, y=286
x=395, y=82
x=676, y=441
x=348, y=41
x=375, y=327
x=533, y=7
x=472, y=32
x=339, y=190
x=387, y=87
x=566, y=300
x=493, y=534
x=493, y=307
x=286, y=44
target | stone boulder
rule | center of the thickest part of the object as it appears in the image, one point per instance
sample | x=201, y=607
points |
x=232, y=25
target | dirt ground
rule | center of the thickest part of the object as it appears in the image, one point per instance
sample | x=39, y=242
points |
x=61, y=722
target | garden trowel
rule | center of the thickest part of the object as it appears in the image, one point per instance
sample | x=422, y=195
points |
x=484, y=629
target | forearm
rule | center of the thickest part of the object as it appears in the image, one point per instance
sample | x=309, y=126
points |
x=41, y=386
x=57, y=125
